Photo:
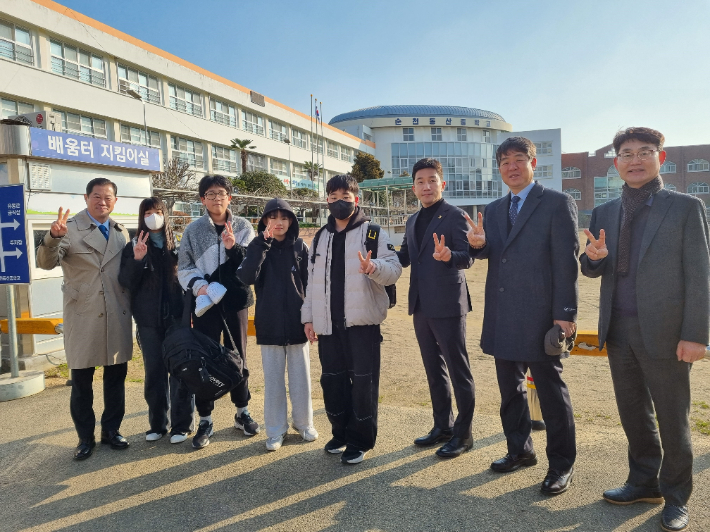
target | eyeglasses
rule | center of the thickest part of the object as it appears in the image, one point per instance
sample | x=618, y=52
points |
x=643, y=155
x=215, y=195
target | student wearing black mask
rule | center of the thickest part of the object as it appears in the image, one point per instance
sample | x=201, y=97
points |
x=344, y=306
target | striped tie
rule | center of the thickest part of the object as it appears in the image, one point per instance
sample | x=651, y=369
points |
x=513, y=212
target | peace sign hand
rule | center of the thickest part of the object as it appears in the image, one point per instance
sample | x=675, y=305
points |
x=441, y=251
x=228, y=236
x=366, y=265
x=59, y=226
x=140, y=248
x=475, y=234
x=268, y=232
x=596, y=249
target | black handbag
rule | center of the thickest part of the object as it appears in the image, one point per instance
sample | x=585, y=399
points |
x=207, y=368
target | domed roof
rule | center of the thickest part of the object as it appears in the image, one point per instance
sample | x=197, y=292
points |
x=383, y=111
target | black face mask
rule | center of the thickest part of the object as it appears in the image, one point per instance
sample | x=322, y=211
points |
x=341, y=209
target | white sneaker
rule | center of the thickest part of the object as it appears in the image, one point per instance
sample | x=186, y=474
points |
x=308, y=434
x=273, y=444
x=216, y=292
x=178, y=438
x=202, y=304
x=153, y=436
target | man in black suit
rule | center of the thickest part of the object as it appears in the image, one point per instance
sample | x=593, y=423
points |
x=650, y=248
x=530, y=240
x=439, y=302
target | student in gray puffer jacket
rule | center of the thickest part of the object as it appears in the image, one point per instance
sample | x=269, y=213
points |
x=277, y=265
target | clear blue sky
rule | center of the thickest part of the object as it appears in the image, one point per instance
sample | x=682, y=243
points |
x=589, y=67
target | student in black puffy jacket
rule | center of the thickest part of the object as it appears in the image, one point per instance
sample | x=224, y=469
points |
x=149, y=272
x=276, y=264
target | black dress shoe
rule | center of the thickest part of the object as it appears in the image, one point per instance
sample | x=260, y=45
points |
x=455, y=447
x=674, y=518
x=114, y=438
x=628, y=494
x=538, y=424
x=556, y=481
x=512, y=462
x=84, y=449
x=435, y=435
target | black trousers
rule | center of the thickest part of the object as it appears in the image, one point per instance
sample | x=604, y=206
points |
x=554, y=402
x=163, y=392
x=81, y=403
x=350, y=362
x=442, y=342
x=649, y=390
x=211, y=324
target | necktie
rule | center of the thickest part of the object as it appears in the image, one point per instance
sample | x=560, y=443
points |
x=513, y=212
x=104, y=231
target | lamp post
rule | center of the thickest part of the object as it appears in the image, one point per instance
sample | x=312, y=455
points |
x=137, y=96
x=290, y=173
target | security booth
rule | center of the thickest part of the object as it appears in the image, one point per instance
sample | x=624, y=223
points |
x=55, y=168
x=385, y=201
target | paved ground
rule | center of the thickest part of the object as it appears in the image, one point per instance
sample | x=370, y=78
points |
x=234, y=484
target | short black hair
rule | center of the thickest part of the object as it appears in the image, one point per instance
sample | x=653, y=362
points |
x=516, y=144
x=210, y=181
x=100, y=182
x=644, y=134
x=342, y=182
x=428, y=163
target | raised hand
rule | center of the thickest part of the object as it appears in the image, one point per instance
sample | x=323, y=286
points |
x=59, y=226
x=475, y=234
x=268, y=232
x=441, y=251
x=366, y=265
x=140, y=248
x=228, y=236
x=596, y=249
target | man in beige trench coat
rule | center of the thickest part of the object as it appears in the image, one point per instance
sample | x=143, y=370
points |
x=97, y=315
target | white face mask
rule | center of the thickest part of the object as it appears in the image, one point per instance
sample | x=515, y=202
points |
x=154, y=221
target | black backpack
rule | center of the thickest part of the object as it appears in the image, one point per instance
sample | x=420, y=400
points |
x=208, y=369
x=373, y=237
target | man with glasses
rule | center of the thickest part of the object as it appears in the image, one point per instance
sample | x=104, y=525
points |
x=211, y=250
x=650, y=247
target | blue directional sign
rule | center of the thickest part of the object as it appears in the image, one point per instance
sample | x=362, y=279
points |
x=14, y=264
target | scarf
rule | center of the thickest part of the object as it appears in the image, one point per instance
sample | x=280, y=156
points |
x=632, y=199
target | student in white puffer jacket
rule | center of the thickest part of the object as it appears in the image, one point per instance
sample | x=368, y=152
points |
x=345, y=304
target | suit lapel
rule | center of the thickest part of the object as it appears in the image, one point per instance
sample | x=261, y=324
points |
x=95, y=239
x=659, y=208
x=501, y=217
x=113, y=246
x=612, y=230
x=530, y=204
x=431, y=228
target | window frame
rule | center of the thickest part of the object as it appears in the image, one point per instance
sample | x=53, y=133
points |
x=698, y=165
x=407, y=134
x=65, y=115
x=220, y=117
x=253, y=123
x=74, y=68
x=575, y=193
x=436, y=132
x=27, y=56
x=195, y=160
x=225, y=159
x=699, y=187
x=140, y=132
x=16, y=110
x=150, y=95
x=569, y=172
x=462, y=134
x=181, y=104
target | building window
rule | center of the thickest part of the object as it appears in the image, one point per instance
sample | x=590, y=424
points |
x=299, y=172
x=436, y=134
x=571, y=172
x=185, y=100
x=278, y=131
x=136, y=135
x=256, y=162
x=346, y=154
x=299, y=138
x=82, y=125
x=699, y=188
x=140, y=82
x=543, y=148
x=188, y=151
x=408, y=134
x=486, y=135
x=224, y=159
x=461, y=134
x=333, y=150
x=668, y=168
x=253, y=123
x=279, y=167
x=670, y=186
x=11, y=108
x=317, y=145
x=223, y=113
x=575, y=193
x=698, y=165
x=76, y=63
x=606, y=189
x=15, y=43
x=612, y=171
x=543, y=171
x=367, y=137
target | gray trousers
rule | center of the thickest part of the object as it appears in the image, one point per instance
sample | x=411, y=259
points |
x=659, y=456
x=275, y=359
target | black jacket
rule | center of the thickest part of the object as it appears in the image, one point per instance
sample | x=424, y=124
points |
x=279, y=273
x=154, y=299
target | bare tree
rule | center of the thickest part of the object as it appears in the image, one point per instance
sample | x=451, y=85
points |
x=176, y=183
